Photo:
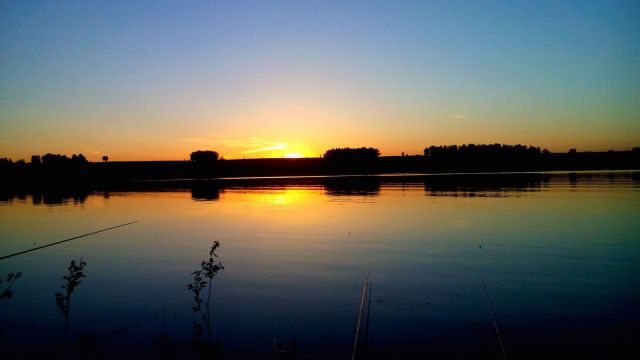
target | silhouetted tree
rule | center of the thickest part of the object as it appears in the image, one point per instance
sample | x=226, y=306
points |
x=105, y=158
x=78, y=159
x=484, y=157
x=351, y=154
x=35, y=160
x=5, y=164
x=204, y=155
x=58, y=160
x=470, y=150
x=54, y=159
x=572, y=151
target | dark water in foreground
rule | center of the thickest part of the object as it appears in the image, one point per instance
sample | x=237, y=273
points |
x=560, y=257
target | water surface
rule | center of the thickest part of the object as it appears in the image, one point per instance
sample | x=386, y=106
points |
x=559, y=253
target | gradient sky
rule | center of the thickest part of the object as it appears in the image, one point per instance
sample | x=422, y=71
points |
x=144, y=80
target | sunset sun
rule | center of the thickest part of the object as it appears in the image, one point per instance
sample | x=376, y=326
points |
x=292, y=155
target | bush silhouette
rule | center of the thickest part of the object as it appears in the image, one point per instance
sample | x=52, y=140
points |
x=204, y=155
x=348, y=154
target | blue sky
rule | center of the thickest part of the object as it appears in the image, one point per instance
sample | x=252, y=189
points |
x=158, y=79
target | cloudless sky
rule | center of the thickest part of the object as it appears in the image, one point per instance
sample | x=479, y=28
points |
x=158, y=79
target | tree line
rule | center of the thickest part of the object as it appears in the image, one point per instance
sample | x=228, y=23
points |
x=344, y=154
x=483, y=150
x=47, y=160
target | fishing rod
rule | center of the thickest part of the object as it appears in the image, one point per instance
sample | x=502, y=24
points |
x=65, y=240
x=359, y=322
x=493, y=317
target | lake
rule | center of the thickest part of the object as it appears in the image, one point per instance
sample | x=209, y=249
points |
x=558, y=253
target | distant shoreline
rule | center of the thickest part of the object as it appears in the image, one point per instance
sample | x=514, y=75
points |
x=95, y=175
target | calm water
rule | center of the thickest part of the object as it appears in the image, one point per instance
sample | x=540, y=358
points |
x=559, y=253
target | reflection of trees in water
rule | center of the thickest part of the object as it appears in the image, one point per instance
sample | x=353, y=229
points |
x=206, y=192
x=463, y=185
x=202, y=279
x=573, y=180
x=53, y=198
x=63, y=301
x=47, y=197
x=484, y=185
x=7, y=195
x=369, y=186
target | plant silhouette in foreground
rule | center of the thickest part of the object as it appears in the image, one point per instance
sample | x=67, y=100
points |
x=202, y=278
x=63, y=301
x=11, y=279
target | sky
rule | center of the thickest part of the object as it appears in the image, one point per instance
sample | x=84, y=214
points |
x=156, y=80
